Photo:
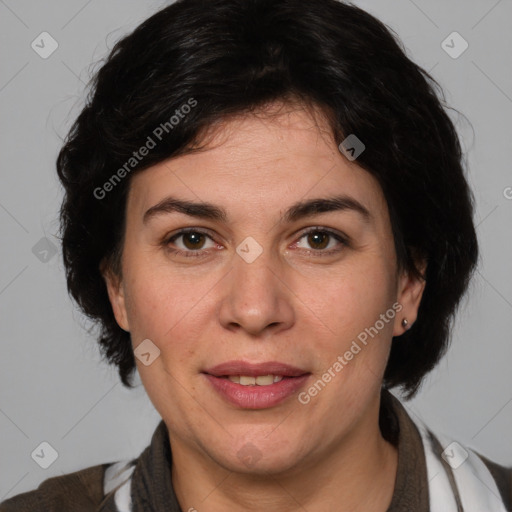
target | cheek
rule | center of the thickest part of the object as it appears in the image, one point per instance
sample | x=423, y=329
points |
x=160, y=312
x=155, y=304
x=351, y=307
x=171, y=310
x=353, y=298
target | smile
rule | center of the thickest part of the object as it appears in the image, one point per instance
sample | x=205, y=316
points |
x=260, y=380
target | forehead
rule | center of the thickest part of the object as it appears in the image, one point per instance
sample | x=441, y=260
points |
x=257, y=163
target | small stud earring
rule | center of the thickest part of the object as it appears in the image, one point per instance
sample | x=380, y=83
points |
x=405, y=323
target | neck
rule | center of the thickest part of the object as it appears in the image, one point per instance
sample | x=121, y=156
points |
x=355, y=474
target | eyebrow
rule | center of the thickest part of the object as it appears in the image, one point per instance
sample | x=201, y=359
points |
x=297, y=211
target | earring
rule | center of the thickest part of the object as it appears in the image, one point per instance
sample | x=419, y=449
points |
x=405, y=323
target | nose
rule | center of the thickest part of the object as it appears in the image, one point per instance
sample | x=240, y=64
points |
x=256, y=298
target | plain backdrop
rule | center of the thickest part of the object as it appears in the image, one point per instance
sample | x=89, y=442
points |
x=53, y=386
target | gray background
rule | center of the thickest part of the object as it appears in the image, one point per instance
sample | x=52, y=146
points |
x=52, y=386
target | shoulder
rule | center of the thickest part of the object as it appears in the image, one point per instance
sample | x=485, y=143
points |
x=454, y=472
x=503, y=478
x=476, y=479
x=82, y=490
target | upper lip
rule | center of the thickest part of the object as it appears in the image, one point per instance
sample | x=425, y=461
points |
x=254, y=369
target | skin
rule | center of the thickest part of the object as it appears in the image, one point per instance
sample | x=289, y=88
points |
x=288, y=305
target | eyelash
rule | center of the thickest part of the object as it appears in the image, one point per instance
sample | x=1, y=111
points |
x=201, y=252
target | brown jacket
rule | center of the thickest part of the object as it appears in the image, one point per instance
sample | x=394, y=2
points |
x=83, y=491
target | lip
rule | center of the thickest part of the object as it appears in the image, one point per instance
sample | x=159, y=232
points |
x=256, y=397
x=240, y=367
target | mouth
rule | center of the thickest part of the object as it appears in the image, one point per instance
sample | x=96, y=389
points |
x=259, y=380
x=256, y=386
x=243, y=368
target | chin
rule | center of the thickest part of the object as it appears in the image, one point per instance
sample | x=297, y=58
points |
x=259, y=457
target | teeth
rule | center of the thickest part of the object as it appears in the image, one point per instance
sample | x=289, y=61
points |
x=260, y=380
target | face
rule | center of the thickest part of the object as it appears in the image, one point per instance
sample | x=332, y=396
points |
x=264, y=290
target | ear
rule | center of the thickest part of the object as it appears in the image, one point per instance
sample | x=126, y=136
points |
x=410, y=292
x=116, y=294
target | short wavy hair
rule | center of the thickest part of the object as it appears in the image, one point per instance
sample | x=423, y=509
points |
x=232, y=57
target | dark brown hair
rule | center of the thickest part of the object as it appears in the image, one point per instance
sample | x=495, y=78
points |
x=232, y=56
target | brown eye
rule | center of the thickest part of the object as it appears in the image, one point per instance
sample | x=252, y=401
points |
x=193, y=240
x=322, y=242
x=318, y=239
x=192, y=243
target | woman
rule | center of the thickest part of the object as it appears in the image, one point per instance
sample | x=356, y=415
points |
x=267, y=215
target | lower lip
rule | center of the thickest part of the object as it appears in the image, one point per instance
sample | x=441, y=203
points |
x=257, y=397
